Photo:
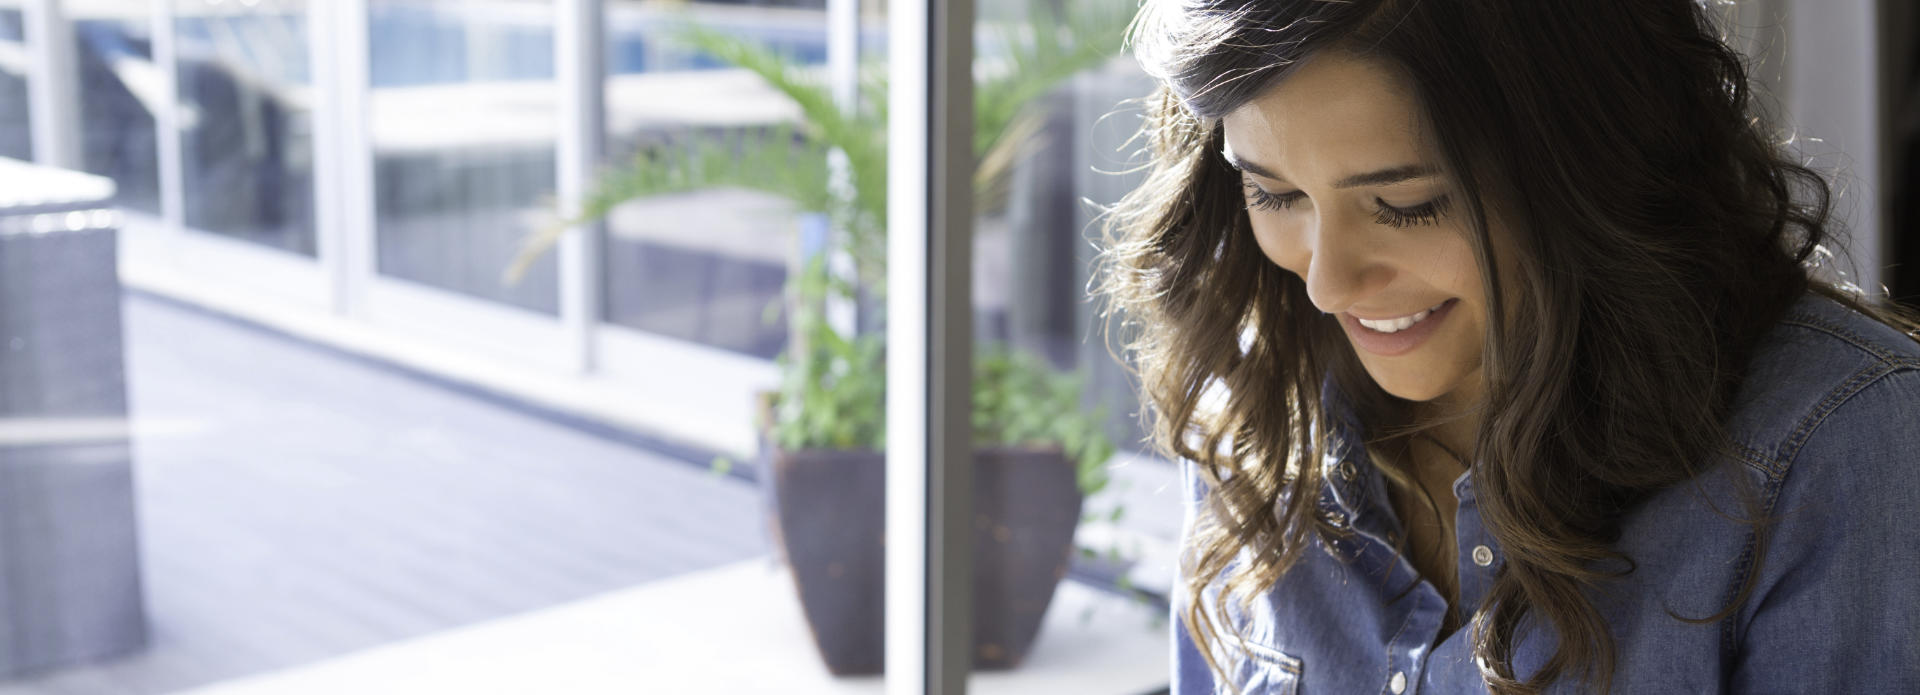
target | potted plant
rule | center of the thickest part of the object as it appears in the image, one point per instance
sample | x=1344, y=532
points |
x=1037, y=455
x=1039, y=452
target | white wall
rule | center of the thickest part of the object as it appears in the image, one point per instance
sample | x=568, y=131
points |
x=1819, y=63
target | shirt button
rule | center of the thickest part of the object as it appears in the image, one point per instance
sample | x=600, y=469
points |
x=1346, y=470
x=1398, y=683
x=1482, y=555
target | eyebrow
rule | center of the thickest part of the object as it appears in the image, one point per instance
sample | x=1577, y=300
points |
x=1382, y=177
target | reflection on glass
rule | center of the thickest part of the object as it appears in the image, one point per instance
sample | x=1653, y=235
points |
x=463, y=120
x=247, y=120
x=1075, y=551
x=119, y=93
x=706, y=267
x=16, y=136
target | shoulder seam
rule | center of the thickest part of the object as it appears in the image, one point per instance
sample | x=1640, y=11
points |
x=1816, y=416
x=1821, y=324
x=1756, y=459
x=1733, y=627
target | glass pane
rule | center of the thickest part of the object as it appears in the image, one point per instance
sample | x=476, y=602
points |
x=118, y=97
x=463, y=122
x=16, y=136
x=1073, y=546
x=672, y=266
x=246, y=136
x=713, y=242
x=246, y=108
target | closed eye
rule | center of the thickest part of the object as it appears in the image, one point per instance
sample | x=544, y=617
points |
x=1425, y=213
x=1259, y=199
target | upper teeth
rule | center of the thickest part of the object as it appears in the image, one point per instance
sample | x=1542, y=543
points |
x=1399, y=324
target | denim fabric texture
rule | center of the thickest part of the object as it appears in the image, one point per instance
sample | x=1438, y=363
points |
x=1827, y=430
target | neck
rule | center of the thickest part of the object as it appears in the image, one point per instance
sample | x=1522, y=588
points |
x=1459, y=414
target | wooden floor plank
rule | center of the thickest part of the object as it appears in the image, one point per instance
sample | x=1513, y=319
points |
x=296, y=505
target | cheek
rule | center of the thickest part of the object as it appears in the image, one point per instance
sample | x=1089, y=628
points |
x=1280, y=246
x=1448, y=258
x=1458, y=269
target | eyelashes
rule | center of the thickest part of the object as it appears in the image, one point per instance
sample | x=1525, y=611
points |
x=1425, y=213
x=1261, y=200
x=1428, y=212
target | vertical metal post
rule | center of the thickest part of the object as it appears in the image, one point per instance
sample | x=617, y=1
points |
x=353, y=107
x=843, y=50
x=331, y=153
x=579, y=69
x=53, y=85
x=166, y=120
x=929, y=352
x=843, y=78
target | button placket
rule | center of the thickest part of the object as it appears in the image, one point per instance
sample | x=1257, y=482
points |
x=1475, y=546
x=1408, y=649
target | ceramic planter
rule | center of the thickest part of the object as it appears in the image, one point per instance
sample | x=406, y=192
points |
x=828, y=515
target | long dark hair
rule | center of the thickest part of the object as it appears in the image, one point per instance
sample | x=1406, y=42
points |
x=1657, y=233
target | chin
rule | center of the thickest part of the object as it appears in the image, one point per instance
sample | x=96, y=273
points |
x=1418, y=395
x=1411, y=388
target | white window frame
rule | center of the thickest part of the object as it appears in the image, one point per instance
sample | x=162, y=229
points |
x=929, y=633
x=53, y=103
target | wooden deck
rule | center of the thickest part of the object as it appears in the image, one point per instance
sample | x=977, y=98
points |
x=296, y=505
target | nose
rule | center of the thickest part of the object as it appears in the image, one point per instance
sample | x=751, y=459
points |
x=1347, y=262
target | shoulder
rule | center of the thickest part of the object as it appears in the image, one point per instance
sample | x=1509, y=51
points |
x=1832, y=417
x=1825, y=376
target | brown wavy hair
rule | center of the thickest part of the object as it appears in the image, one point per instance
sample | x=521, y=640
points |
x=1658, y=232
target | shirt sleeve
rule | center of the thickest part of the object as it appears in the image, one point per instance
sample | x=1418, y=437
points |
x=1191, y=676
x=1836, y=603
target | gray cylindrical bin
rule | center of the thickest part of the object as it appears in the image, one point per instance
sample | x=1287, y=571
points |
x=70, y=587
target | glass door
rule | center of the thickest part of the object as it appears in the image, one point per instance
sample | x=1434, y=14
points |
x=461, y=116
x=246, y=96
x=239, y=149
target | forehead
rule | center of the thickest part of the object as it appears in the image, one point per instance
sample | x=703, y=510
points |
x=1335, y=114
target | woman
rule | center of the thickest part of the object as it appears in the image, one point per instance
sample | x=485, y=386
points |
x=1485, y=333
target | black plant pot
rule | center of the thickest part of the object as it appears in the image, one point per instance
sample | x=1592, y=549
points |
x=829, y=521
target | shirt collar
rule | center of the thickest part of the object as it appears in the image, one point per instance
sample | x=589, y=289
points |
x=1351, y=482
x=1463, y=486
x=1344, y=464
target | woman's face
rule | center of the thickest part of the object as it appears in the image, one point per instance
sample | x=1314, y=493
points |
x=1345, y=190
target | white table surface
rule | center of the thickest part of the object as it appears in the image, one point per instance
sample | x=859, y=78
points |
x=733, y=629
x=26, y=188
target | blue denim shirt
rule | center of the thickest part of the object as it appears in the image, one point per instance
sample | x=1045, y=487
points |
x=1827, y=427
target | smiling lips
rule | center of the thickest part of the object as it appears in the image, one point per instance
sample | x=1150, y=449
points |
x=1396, y=336
x=1399, y=324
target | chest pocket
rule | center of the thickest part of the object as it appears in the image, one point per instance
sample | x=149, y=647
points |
x=1268, y=671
